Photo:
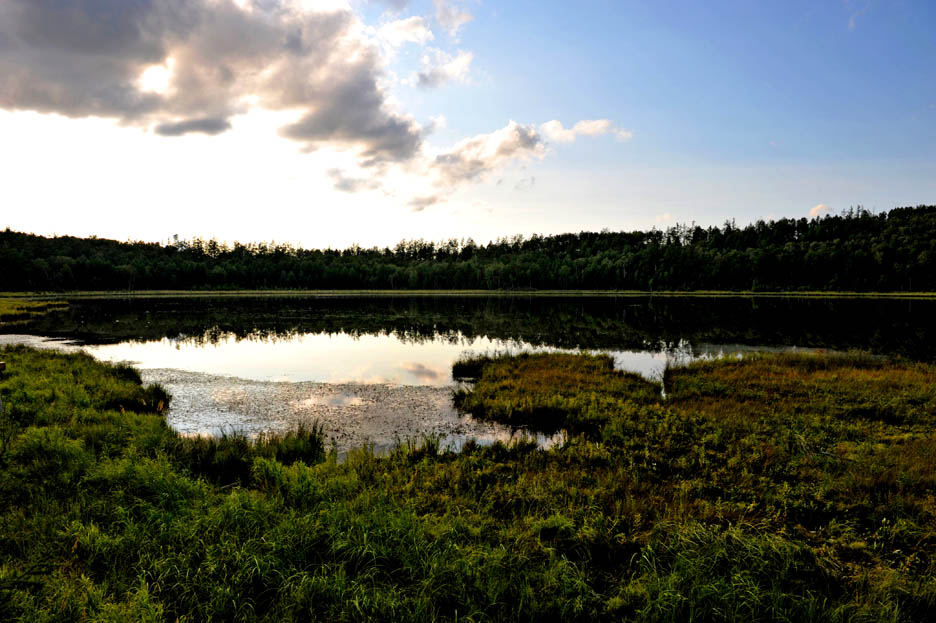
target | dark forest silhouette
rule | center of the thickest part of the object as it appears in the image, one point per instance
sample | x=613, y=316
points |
x=853, y=251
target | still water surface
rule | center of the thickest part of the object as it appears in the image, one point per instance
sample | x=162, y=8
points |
x=264, y=363
x=341, y=358
x=413, y=339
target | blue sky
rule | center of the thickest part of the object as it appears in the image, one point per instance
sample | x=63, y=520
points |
x=693, y=111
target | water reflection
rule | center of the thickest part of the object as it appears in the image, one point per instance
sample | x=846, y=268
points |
x=350, y=415
x=414, y=340
x=329, y=358
x=377, y=370
x=624, y=323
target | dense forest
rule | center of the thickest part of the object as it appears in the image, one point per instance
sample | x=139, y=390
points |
x=856, y=250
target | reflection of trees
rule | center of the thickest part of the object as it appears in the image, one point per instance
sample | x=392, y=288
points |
x=658, y=324
x=216, y=335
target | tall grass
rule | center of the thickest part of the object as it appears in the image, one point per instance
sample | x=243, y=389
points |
x=19, y=309
x=766, y=489
x=548, y=391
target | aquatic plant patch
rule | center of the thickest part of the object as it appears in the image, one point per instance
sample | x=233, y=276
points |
x=19, y=309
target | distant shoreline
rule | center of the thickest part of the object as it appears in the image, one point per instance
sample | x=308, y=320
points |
x=92, y=294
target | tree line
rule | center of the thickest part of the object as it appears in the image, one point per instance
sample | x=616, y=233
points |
x=856, y=250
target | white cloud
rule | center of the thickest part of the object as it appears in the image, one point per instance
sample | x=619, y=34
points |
x=441, y=68
x=347, y=184
x=819, y=210
x=310, y=68
x=396, y=5
x=554, y=131
x=666, y=217
x=439, y=122
x=856, y=10
x=451, y=17
x=418, y=204
x=410, y=30
x=473, y=158
x=157, y=78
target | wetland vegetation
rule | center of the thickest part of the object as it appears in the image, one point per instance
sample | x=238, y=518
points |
x=772, y=487
x=13, y=309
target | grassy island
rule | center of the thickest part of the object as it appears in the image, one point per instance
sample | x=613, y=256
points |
x=17, y=308
x=769, y=488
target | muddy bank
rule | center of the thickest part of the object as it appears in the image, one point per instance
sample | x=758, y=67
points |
x=37, y=341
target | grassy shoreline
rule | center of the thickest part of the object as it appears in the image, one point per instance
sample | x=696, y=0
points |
x=16, y=308
x=789, y=488
x=28, y=296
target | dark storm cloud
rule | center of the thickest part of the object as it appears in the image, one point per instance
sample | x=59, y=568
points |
x=85, y=57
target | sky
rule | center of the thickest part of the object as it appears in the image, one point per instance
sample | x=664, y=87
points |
x=328, y=123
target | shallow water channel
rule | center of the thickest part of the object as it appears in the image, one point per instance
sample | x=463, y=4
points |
x=377, y=370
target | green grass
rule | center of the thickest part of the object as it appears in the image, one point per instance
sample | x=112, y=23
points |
x=477, y=293
x=20, y=309
x=548, y=392
x=773, y=488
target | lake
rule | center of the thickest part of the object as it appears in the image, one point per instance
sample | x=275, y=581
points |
x=377, y=369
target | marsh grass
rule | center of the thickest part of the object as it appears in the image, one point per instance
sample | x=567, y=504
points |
x=526, y=293
x=548, y=391
x=227, y=460
x=774, y=488
x=12, y=309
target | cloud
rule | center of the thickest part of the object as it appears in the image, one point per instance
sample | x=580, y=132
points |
x=401, y=31
x=666, y=217
x=421, y=371
x=90, y=57
x=450, y=17
x=181, y=67
x=554, y=131
x=204, y=126
x=819, y=210
x=439, y=122
x=473, y=158
x=856, y=10
x=421, y=203
x=351, y=184
x=355, y=114
x=396, y=5
x=442, y=68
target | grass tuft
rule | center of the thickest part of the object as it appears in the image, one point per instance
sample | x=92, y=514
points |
x=548, y=391
x=14, y=309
